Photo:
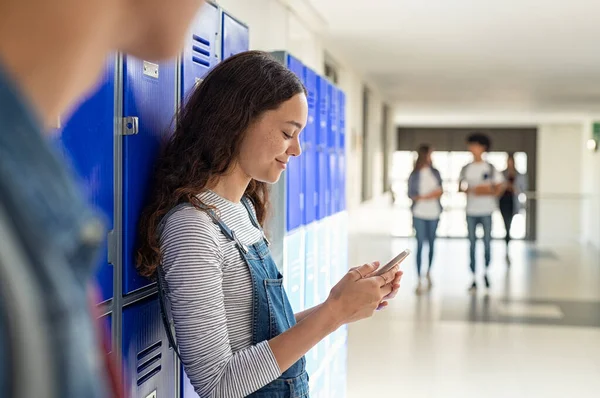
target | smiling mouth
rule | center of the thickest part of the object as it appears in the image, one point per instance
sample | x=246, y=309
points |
x=282, y=164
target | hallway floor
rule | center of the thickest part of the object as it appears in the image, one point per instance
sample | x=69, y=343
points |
x=535, y=334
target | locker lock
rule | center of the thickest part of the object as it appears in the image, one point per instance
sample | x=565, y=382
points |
x=131, y=125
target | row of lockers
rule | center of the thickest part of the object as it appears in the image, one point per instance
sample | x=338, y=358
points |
x=314, y=244
x=142, y=97
x=316, y=181
x=150, y=364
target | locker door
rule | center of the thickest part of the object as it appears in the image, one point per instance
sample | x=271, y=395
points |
x=87, y=142
x=294, y=186
x=235, y=37
x=187, y=390
x=293, y=277
x=309, y=158
x=106, y=324
x=342, y=150
x=149, y=362
x=322, y=161
x=332, y=138
x=149, y=95
x=200, y=52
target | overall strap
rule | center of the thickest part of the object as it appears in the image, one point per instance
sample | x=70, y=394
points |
x=253, y=218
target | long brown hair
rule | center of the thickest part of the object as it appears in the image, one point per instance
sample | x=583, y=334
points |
x=207, y=138
x=422, y=154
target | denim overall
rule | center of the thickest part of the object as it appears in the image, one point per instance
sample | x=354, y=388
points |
x=272, y=313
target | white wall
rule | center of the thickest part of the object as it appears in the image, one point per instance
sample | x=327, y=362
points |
x=292, y=26
x=559, y=183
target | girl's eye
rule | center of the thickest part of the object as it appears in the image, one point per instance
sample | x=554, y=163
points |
x=287, y=136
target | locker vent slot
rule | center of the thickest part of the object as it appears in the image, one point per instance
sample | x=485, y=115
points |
x=201, y=40
x=147, y=351
x=144, y=366
x=201, y=61
x=149, y=375
x=201, y=51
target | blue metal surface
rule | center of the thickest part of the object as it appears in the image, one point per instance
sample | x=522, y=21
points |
x=235, y=37
x=324, y=269
x=338, y=374
x=309, y=155
x=332, y=138
x=294, y=268
x=106, y=323
x=152, y=100
x=294, y=173
x=342, y=151
x=294, y=195
x=87, y=142
x=187, y=390
x=200, y=51
x=322, y=159
x=149, y=362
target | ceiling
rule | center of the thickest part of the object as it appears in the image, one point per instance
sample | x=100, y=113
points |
x=473, y=55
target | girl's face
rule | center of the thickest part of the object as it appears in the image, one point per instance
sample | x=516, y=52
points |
x=272, y=139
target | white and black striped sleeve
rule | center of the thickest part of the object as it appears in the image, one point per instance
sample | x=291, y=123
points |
x=192, y=261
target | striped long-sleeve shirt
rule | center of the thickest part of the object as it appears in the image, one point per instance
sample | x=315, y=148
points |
x=209, y=289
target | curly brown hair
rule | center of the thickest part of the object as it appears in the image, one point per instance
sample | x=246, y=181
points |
x=206, y=142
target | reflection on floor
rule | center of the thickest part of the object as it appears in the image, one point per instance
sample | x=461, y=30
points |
x=536, y=333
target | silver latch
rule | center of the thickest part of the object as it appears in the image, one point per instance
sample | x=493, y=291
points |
x=151, y=69
x=131, y=125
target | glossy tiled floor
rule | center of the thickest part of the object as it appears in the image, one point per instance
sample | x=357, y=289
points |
x=536, y=334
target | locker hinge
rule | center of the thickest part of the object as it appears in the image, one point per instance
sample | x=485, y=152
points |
x=112, y=247
x=131, y=125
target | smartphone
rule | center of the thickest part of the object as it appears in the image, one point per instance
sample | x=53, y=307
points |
x=396, y=260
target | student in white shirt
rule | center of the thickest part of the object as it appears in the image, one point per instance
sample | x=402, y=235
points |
x=483, y=184
x=425, y=190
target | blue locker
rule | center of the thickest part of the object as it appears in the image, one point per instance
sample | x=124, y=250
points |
x=293, y=276
x=322, y=159
x=324, y=271
x=200, y=52
x=342, y=150
x=187, y=390
x=149, y=95
x=311, y=287
x=332, y=138
x=311, y=273
x=149, y=362
x=235, y=36
x=309, y=155
x=87, y=141
x=294, y=186
x=338, y=374
x=106, y=324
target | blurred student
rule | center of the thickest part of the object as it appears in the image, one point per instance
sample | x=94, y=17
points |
x=516, y=184
x=51, y=54
x=483, y=184
x=425, y=190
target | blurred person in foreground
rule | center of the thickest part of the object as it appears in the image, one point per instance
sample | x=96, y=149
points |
x=51, y=54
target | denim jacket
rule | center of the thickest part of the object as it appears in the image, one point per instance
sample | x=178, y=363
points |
x=55, y=239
